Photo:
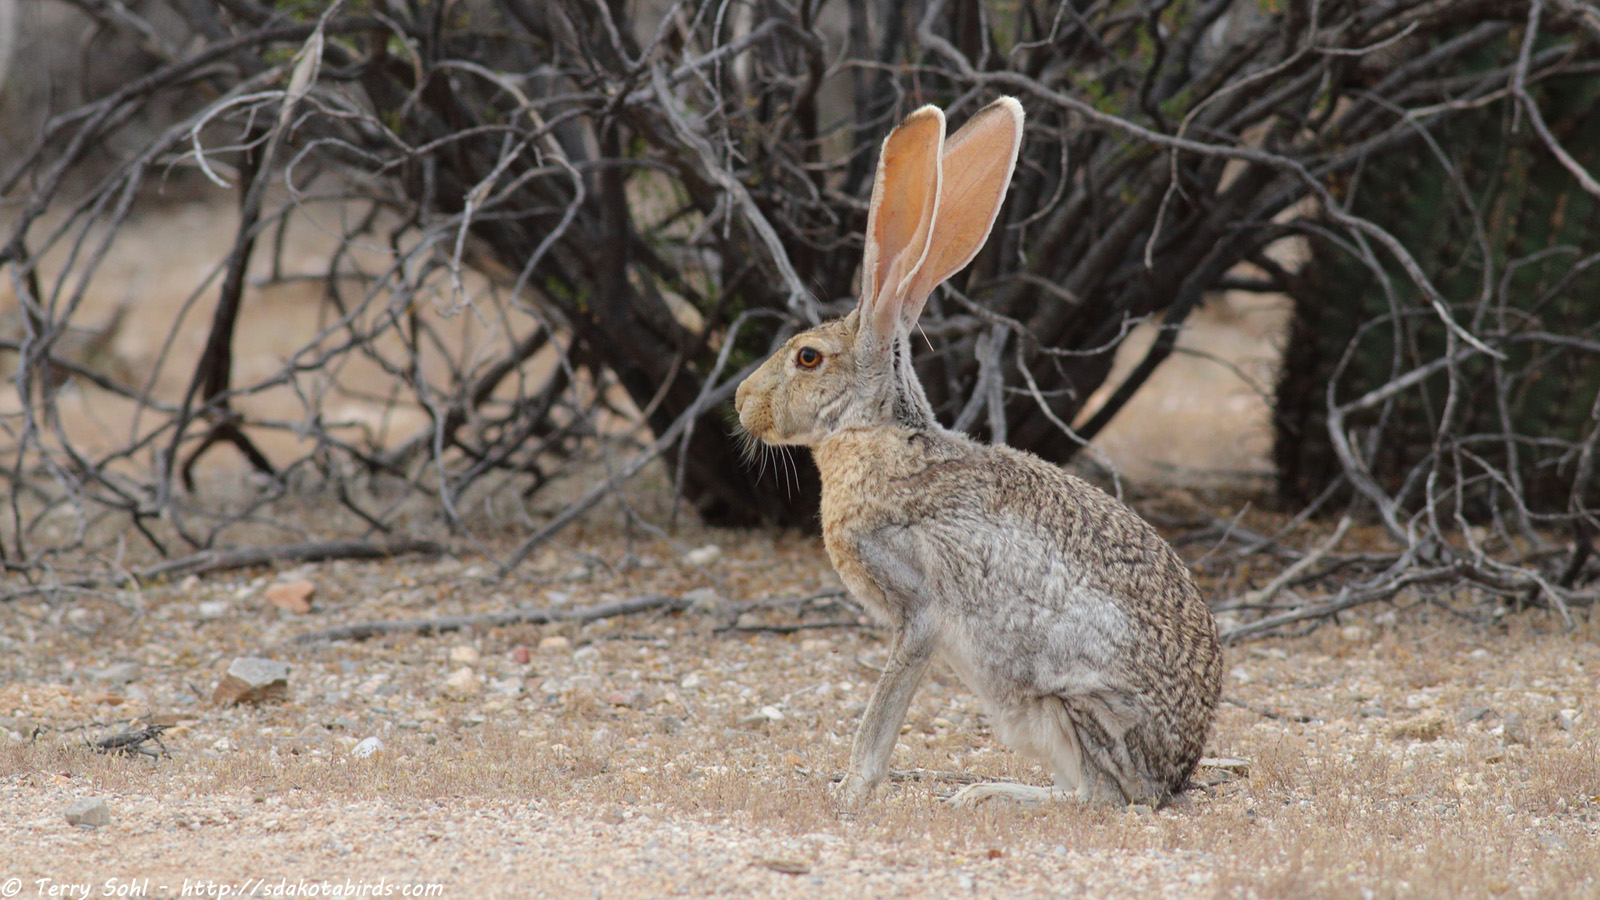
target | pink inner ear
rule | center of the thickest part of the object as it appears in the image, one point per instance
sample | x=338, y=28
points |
x=905, y=197
x=978, y=162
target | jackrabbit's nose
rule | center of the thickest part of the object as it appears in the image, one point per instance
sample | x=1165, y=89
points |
x=739, y=395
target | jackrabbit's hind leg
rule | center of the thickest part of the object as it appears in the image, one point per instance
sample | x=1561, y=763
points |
x=1046, y=734
x=1119, y=765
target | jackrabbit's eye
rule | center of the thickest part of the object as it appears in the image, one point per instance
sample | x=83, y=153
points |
x=808, y=358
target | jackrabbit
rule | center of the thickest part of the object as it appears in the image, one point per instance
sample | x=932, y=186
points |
x=1075, y=624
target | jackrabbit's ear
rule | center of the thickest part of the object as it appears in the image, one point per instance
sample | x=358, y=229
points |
x=901, y=217
x=978, y=162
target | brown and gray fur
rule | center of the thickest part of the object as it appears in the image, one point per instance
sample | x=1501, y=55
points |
x=1076, y=625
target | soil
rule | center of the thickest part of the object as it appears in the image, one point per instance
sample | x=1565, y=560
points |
x=1404, y=753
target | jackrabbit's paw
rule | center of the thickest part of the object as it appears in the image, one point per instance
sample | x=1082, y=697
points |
x=850, y=793
x=1024, y=795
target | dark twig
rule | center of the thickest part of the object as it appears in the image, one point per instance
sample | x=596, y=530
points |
x=366, y=630
x=310, y=551
x=791, y=628
x=207, y=561
x=130, y=743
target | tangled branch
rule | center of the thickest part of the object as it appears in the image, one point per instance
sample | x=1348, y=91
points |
x=551, y=233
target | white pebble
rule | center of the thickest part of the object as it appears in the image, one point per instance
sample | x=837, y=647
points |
x=463, y=682
x=703, y=556
x=212, y=609
x=510, y=687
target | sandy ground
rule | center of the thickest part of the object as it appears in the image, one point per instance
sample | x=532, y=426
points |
x=1405, y=753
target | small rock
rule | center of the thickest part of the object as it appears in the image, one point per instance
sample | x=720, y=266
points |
x=121, y=673
x=521, y=655
x=1235, y=764
x=555, y=643
x=464, y=654
x=1355, y=634
x=251, y=679
x=292, y=596
x=1514, y=731
x=613, y=816
x=691, y=680
x=90, y=812
x=588, y=651
x=701, y=557
x=704, y=600
x=762, y=716
x=577, y=573
x=368, y=747
x=816, y=645
x=1241, y=675
x=463, y=682
x=786, y=865
x=1474, y=714
x=1566, y=719
x=211, y=609
x=1427, y=727
x=509, y=687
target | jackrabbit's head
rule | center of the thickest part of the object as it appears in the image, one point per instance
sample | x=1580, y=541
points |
x=933, y=204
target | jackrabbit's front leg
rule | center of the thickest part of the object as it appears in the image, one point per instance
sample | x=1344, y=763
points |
x=909, y=656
